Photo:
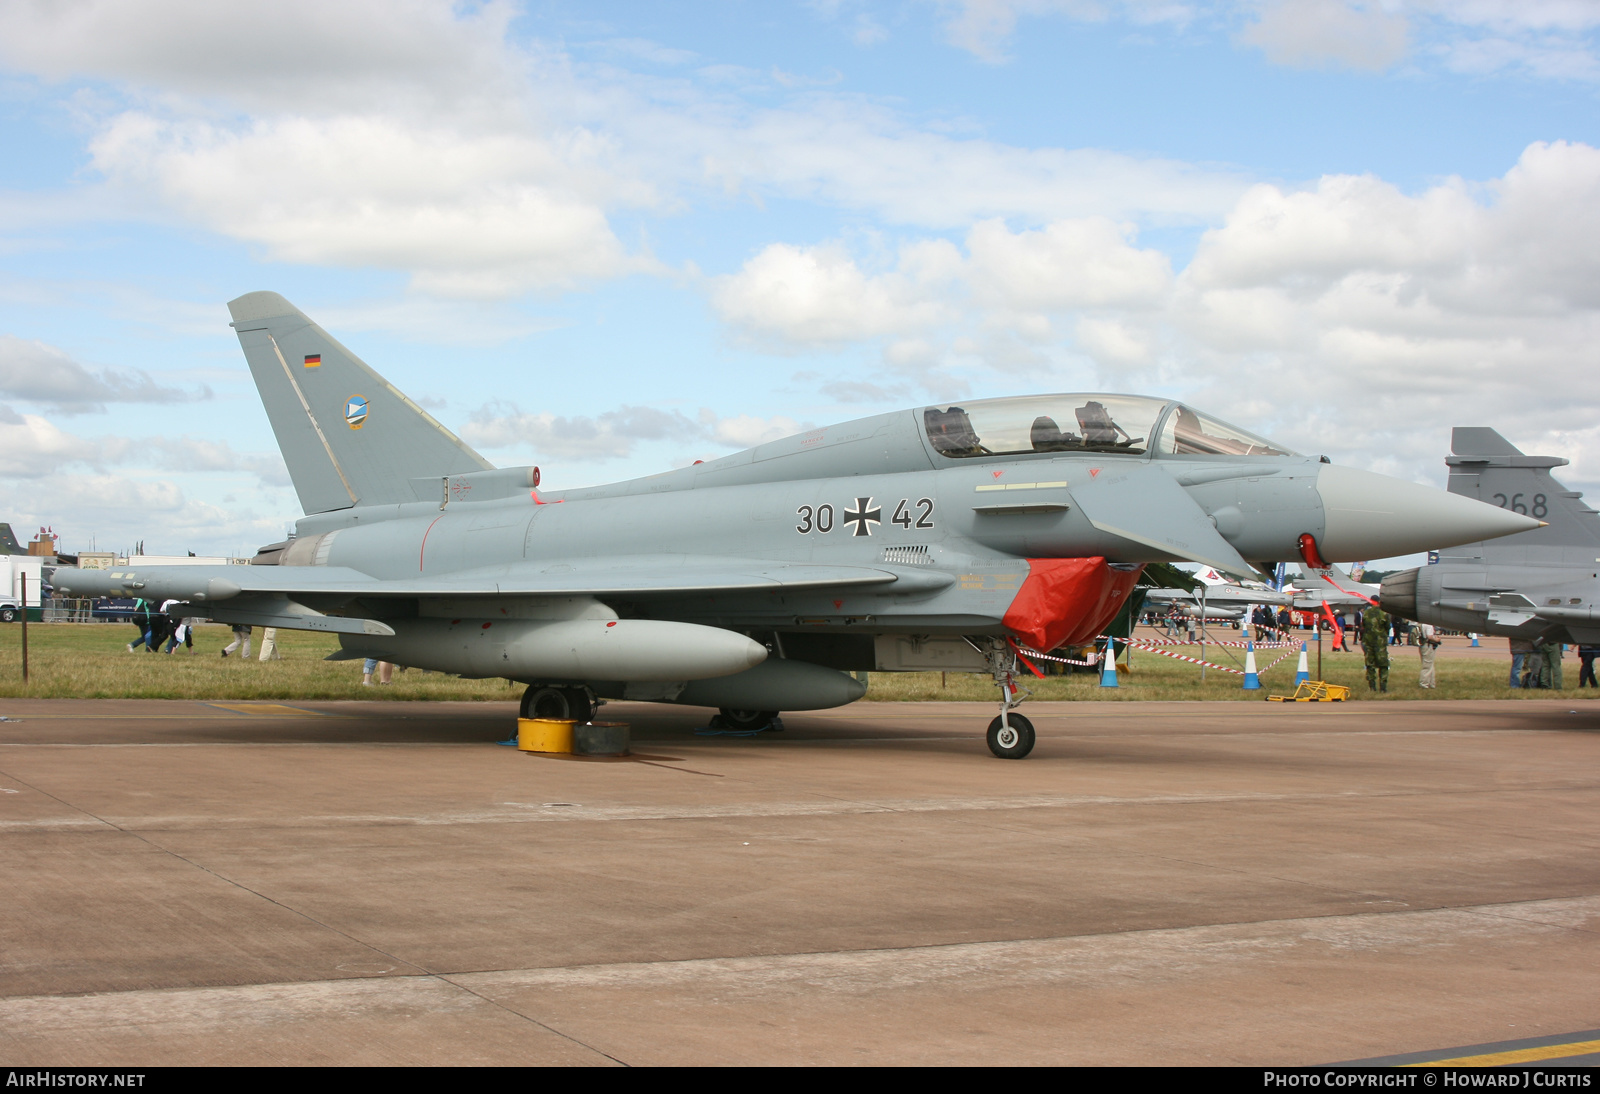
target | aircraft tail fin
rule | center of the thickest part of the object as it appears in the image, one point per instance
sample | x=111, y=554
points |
x=348, y=435
x=1487, y=467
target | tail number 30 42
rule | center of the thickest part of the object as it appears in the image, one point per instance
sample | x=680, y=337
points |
x=907, y=514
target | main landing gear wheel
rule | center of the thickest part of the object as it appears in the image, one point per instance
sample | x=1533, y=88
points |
x=566, y=704
x=1012, y=739
x=748, y=719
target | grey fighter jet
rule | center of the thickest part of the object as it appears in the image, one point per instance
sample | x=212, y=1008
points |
x=1542, y=584
x=1220, y=599
x=959, y=536
x=1331, y=586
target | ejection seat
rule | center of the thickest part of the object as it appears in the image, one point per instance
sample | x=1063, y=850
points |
x=1099, y=430
x=950, y=432
x=1046, y=436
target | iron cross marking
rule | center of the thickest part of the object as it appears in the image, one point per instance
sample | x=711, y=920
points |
x=861, y=516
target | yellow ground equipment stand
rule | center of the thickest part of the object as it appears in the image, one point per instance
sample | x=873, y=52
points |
x=544, y=734
x=1314, y=691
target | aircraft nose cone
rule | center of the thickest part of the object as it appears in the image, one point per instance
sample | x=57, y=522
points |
x=1373, y=516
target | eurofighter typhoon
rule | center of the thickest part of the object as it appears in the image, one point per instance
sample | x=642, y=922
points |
x=960, y=536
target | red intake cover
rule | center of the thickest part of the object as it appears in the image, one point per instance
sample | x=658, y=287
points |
x=1067, y=600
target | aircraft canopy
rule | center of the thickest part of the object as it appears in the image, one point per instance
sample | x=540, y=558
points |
x=1133, y=424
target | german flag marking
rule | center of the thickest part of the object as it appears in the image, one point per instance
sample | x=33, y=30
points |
x=313, y=360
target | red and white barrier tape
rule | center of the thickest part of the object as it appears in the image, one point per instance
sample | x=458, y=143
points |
x=1028, y=654
x=1217, y=642
x=1181, y=657
x=1031, y=654
x=1210, y=664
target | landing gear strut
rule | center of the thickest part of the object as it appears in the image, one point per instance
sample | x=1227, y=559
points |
x=1010, y=735
x=541, y=701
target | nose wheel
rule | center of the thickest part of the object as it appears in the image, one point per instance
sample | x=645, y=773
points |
x=1011, y=738
x=1010, y=735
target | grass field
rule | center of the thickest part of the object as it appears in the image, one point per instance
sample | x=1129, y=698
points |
x=90, y=661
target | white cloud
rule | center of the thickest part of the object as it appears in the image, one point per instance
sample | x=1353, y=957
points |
x=1545, y=39
x=34, y=372
x=466, y=214
x=114, y=512
x=51, y=477
x=610, y=435
x=1543, y=59
x=111, y=495
x=31, y=446
x=404, y=135
x=615, y=434
x=191, y=454
x=1064, y=266
x=1311, y=33
x=791, y=296
x=1347, y=316
x=1454, y=305
x=1512, y=16
x=857, y=155
x=1114, y=342
x=416, y=137
x=289, y=53
x=453, y=323
x=819, y=295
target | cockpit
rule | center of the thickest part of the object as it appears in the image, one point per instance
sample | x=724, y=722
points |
x=1129, y=424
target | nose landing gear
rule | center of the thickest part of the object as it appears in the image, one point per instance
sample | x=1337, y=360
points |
x=1010, y=736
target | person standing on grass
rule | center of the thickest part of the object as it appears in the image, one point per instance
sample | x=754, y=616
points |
x=1533, y=667
x=241, y=638
x=1520, y=649
x=1375, y=644
x=1586, y=667
x=1550, y=670
x=1427, y=645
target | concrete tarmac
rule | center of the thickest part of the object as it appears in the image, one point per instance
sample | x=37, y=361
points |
x=1162, y=883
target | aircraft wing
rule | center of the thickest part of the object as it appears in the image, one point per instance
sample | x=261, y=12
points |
x=1145, y=504
x=643, y=576
x=272, y=596
x=1219, y=596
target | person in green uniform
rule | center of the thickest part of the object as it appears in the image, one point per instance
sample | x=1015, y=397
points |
x=1375, y=644
x=1550, y=671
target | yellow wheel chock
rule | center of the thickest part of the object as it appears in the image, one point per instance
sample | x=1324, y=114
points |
x=1314, y=691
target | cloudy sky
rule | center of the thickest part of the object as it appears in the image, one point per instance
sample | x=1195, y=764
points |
x=612, y=238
